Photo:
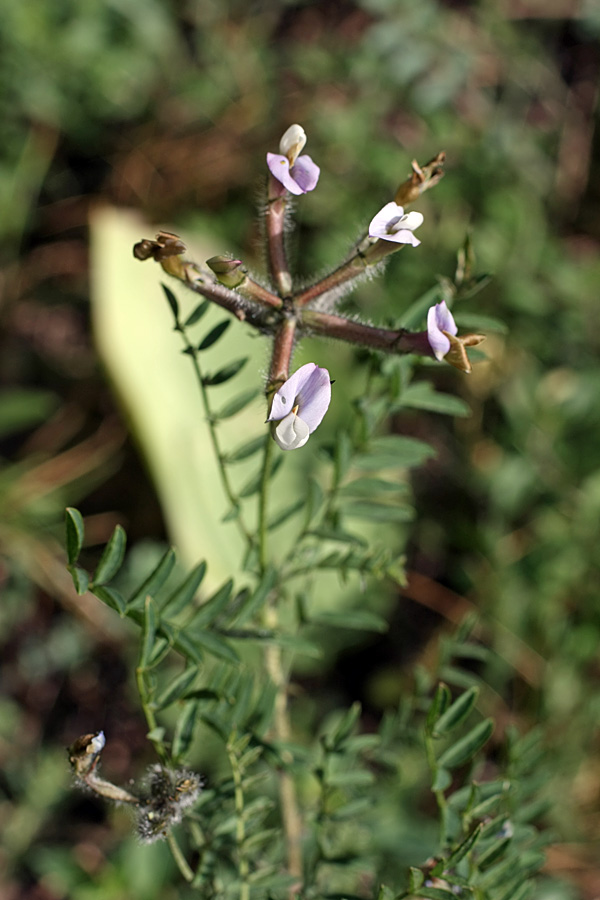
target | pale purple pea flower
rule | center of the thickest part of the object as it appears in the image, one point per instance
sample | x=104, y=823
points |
x=440, y=320
x=298, y=174
x=392, y=224
x=299, y=406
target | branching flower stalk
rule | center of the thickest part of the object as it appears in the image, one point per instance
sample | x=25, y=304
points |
x=296, y=403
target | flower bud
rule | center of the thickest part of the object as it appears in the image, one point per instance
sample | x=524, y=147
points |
x=230, y=272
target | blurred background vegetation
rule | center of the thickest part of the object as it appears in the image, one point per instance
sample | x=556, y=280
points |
x=167, y=107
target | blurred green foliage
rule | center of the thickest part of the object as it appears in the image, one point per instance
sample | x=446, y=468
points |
x=170, y=107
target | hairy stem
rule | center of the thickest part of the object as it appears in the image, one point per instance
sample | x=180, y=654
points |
x=278, y=264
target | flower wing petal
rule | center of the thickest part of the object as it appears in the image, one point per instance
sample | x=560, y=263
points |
x=379, y=223
x=314, y=397
x=285, y=398
x=279, y=166
x=305, y=173
x=440, y=319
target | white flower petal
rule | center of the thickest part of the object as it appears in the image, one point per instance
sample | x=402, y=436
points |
x=292, y=142
x=291, y=432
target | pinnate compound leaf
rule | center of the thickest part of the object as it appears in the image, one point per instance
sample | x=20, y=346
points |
x=75, y=534
x=188, y=648
x=415, y=879
x=254, y=601
x=493, y=853
x=154, y=581
x=442, y=779
x=210, y=610
x=81, y=579
x=245, y=450
x=394, y=450
x=184, y=730
x=236, y=405
x=112, y=557
x=184, y=594
x=344, y=727
x=111, y=597
x=465, y=847
x=468, y=746
x=422, y=396
x=148, y=632
x=213, y=644
x=379, y=512
x=370, y=487
x=431, y=893
x=439, y=704
x=355, y=619
x=172, y=301
x=178, y=688
x=226, y=373
x=196, y=314
x=253, y=485
x=285, y=514
x=214, y=334
x=457, y=712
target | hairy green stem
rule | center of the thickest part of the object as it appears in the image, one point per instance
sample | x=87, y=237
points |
x=439, y=795
x=179, y=858
x=149, y=713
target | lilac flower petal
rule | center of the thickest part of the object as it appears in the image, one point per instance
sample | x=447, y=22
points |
x=444, y=318
x=439, y=319
x=392, y=224
x=314, y=398
x=285, y=398
x=305, y=173
x=291, y=432
x=379, y=222
x=279, y=166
